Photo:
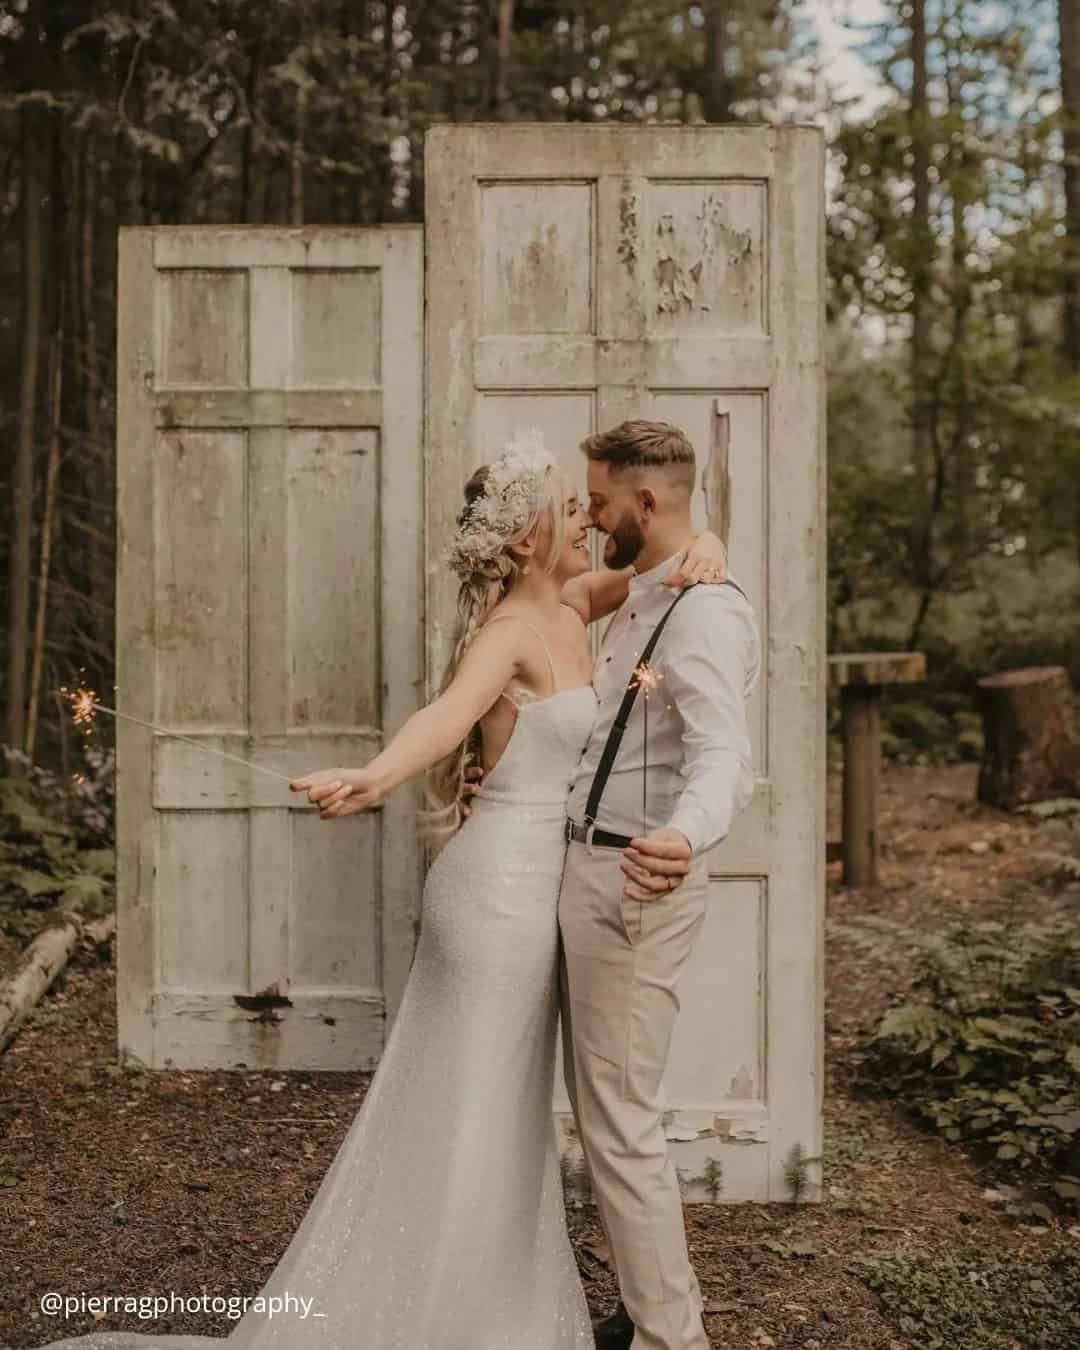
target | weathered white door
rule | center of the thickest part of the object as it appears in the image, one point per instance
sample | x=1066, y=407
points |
x=578, y=276
x=269, y=605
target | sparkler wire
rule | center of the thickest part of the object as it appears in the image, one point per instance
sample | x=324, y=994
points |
x=84, y=700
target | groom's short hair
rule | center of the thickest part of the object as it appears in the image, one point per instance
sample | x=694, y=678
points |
x=638, y=444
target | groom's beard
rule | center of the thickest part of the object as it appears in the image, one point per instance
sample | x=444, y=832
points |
x=627, y=540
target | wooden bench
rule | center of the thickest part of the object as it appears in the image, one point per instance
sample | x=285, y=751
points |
x=860, y=677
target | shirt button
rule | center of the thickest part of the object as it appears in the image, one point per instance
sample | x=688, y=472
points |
x=633, y=616
x=607, y=658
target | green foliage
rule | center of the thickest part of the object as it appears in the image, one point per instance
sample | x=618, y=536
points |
x=934, y=726
x=1053, y=808
x=796, y=1172
x=975, y=1300
x=917, y=723
x=56, y=840
x=1060, y=826
x=710, y=1178
x=975, y=456
x=315, y=111
x=935, y=732
x=610, y=61
x=986, y=1047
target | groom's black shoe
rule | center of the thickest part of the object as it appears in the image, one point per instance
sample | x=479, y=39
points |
x=615, y=1332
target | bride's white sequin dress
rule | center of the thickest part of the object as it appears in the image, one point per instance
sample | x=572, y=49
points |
x=440, y=1222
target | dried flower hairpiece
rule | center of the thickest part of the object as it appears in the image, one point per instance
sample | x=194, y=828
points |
x=511, y=496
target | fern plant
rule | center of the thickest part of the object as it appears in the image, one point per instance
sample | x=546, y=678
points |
x=1060, y=818
x=986, y=1046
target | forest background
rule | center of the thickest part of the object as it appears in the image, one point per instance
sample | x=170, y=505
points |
x=953, y=238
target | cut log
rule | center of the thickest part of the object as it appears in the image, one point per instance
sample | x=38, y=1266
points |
x=1030, y=749
x=42, y=961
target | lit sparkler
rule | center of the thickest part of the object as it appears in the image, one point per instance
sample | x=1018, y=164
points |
x=84, y=705
x=645, y=679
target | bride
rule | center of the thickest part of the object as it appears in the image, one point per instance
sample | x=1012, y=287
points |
x=440, y=1222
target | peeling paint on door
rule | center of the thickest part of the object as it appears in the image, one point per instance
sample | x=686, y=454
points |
x=742, y=1084
x=628, y=227
x=695, y=253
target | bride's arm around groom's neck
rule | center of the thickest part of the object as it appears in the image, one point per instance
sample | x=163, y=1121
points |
x=595, y=594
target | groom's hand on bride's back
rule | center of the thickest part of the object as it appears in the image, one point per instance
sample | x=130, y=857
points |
x=655, y=863
x=473, y=775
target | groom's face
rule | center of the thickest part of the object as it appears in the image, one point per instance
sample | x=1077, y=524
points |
x=615, y=510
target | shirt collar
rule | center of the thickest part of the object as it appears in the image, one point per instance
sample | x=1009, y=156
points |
x=641, y=581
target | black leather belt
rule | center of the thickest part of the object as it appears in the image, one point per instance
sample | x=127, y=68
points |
x=602, y=838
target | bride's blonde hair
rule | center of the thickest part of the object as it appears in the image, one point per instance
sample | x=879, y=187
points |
x=504, y=501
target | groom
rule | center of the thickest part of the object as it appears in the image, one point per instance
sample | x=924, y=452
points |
x=634, y=887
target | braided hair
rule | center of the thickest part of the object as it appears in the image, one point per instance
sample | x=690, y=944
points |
x=484, y=583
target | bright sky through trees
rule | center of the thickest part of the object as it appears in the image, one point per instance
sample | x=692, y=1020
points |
x=848, y=72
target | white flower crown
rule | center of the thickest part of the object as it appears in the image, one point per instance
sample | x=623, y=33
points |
x=513, y=490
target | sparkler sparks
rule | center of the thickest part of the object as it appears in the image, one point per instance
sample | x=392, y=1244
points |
x=84, y=705
x=646, y=678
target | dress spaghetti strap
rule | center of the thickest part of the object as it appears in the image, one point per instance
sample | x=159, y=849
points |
x=543, y=640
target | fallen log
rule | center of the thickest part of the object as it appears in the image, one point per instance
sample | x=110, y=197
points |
x=1030, y=748
x=50, y=952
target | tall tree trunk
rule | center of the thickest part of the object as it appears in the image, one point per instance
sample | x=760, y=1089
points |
x=296, y=162
x=961, y=465
x=389, y=92
x=87, y=276
x=85, y=293
x=921, y=272
x=56, y=387
x=717, y=95
x=504, y=18
x=251, y=196
x=428, y=58
x=37, y=144
x=1069, y=28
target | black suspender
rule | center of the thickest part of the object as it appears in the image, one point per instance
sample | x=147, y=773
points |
x=618, y=727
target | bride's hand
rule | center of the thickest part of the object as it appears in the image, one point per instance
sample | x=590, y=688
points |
x=705, y=560
x=340, y=792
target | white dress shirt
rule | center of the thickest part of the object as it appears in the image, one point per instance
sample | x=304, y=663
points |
x=697, y=774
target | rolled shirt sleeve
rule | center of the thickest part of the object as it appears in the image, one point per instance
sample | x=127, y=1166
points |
x=711, y=664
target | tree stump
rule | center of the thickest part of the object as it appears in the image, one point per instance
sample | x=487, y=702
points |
x=1030, y=750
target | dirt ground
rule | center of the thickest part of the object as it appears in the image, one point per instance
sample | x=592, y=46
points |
x=118, y=1180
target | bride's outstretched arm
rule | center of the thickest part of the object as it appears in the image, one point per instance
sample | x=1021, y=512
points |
x=491, y=660
x=597, y=594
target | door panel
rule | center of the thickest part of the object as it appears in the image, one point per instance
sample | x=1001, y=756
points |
x=270, y=606
x=578, y=276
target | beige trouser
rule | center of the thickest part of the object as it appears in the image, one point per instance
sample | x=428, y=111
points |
x=619, y=967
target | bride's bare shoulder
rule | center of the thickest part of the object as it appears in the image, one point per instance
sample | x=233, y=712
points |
x=519, y=635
